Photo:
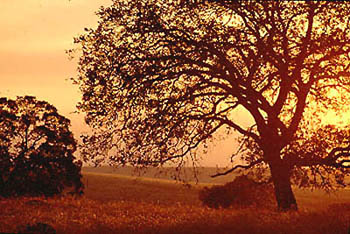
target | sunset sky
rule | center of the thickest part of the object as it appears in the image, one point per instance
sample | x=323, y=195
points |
x=34, y=37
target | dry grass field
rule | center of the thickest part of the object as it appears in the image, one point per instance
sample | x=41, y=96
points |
x=124, y=204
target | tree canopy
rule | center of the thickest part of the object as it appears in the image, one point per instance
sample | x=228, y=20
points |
x=36, y=149
x=159, y=78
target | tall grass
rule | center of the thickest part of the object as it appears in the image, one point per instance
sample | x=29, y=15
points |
x=115, y=204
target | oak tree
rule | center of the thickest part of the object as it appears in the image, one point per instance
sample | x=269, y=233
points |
x=159, y=78
x=36, y=149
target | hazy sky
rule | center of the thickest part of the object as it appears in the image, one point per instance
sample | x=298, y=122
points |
x=34, y=37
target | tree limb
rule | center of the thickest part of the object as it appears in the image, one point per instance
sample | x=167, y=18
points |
x=238, y=166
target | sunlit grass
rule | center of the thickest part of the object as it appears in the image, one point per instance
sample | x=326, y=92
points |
x=121, y=204
x=111, y=187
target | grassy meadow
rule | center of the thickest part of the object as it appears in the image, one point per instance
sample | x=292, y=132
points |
x=115, y=203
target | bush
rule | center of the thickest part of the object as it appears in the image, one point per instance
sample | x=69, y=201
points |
x=38, y=228
x=241, y=192
x=36, y=150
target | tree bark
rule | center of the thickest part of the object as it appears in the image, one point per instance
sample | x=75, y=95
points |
x=283, y=189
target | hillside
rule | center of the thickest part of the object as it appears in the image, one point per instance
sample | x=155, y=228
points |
x=124, y=204
x=166, y=173
x=113, y=187
x=107, y=187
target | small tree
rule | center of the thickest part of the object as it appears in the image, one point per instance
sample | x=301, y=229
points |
x=36, y=149
x=159, y=78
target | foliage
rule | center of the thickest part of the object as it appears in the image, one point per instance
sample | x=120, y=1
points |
x=320, y=157
x=37, y=149
x=159, y=78
x=322, y=152
x=241, y=192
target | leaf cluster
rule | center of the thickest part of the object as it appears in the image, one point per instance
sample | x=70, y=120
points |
x=36, y=149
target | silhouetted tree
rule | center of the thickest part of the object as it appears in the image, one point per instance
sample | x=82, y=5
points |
x=160, y=77
x=36, y=149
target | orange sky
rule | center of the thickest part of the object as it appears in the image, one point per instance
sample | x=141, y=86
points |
x=34, y=37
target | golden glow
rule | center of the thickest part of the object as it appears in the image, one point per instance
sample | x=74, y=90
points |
x=34, y=37
x=341, y=115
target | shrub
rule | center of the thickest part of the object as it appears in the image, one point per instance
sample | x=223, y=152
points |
x=36, y=149
x=241, y=192
x=38, y=228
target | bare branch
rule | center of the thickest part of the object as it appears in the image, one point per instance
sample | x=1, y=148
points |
x=237, y=167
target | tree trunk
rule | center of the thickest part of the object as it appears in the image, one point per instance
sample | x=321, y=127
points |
x=283, y=189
